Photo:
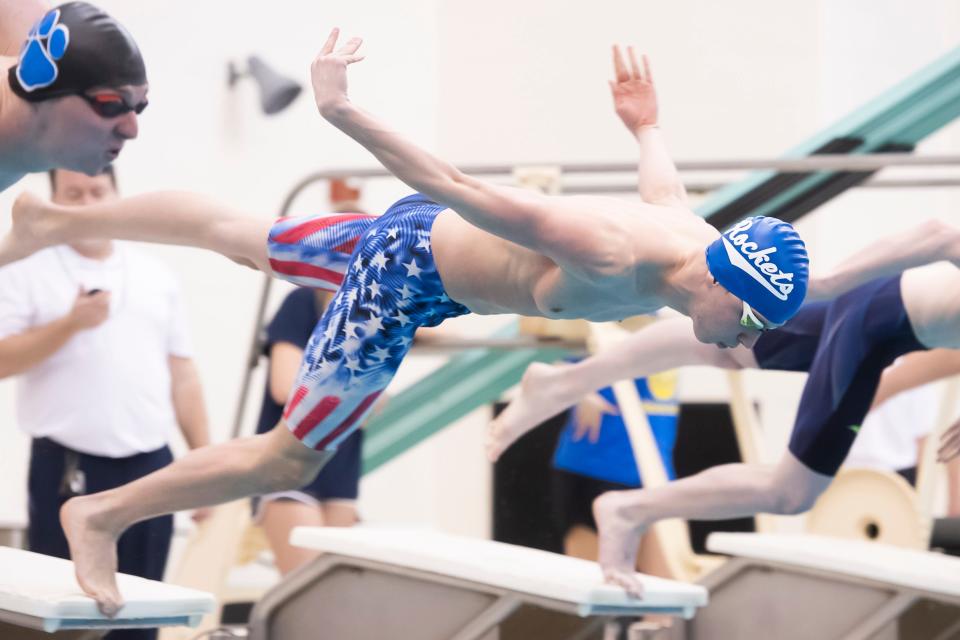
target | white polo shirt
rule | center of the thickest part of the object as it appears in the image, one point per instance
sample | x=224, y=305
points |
x=107, y=390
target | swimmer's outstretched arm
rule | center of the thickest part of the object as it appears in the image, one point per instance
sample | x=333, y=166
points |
x=916, y=369
x=928, y=242
x=635, y=101
x=664, y=345
x=546, y=390
x=578, y=240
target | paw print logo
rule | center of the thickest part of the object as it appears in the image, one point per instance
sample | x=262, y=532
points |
x=46, y=43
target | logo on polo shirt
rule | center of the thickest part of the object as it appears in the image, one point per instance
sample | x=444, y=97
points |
x=757, y=262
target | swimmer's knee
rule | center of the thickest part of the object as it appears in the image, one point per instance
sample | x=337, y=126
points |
x=793, y=499
x=794, y=503
x=290, y=463
x=796, y=485
x=288, y=472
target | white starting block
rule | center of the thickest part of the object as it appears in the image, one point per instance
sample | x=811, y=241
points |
x=802, y=586
x=374, y=583
x=41, y=593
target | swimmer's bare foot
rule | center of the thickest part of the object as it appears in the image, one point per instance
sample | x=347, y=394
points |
x=619, y=537
x=543, y=394
x=33, y=228
x=93, y=548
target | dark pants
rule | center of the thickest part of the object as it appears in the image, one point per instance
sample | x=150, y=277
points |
x=573, y=496
x=909, y=474
x=142, y=549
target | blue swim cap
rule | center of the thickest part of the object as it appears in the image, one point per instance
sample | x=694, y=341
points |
x=763, y=262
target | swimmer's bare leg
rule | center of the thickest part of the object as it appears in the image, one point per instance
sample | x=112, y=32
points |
x=545, y=391
x=177, y=218
x=266, y=463
x=727, y=491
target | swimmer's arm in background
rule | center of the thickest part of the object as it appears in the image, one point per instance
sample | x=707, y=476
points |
x=928, y=242
x=580, y=242
x=635, y=101
x=916, y=369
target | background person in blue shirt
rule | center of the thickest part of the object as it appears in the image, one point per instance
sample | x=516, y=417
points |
x=594, y=455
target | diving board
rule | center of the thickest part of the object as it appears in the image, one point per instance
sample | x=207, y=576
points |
x=803, y=586
x=40, y=592
x=374, y=582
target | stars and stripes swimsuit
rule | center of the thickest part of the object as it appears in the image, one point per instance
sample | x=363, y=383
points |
x=387, y=286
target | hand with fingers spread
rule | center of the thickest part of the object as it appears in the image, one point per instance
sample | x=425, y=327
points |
x=328, y=72
x=634, y=94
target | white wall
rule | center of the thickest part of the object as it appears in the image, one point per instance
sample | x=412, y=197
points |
x=527, y=81
x=497, y=82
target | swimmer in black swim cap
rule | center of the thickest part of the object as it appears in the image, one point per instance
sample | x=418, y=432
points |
x=72, y=95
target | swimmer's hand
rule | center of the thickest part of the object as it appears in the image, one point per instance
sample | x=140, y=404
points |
x=329, y=72
x=634, y=94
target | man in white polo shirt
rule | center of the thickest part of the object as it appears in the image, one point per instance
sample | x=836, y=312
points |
x=96, y=335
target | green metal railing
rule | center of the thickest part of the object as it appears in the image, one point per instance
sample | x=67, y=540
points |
x=895, y=121
x=468, y=381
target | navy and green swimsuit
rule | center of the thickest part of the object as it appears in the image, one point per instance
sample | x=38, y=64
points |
x=845, y=345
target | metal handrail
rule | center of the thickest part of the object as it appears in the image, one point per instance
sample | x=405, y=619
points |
x=700, y=187
x=806, y=164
